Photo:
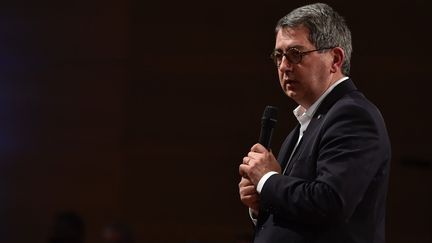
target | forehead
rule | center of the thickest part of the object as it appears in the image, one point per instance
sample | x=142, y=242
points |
x=292, y=37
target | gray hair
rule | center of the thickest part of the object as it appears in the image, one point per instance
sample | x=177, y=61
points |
x=326, y=28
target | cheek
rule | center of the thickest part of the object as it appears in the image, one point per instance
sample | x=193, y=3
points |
x=318, y=76
x=280, y=74
x=321, y=69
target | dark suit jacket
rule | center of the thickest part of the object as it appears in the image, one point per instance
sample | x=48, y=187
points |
x=334, y=188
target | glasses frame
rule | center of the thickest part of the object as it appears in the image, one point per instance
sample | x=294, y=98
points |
x=274, y=54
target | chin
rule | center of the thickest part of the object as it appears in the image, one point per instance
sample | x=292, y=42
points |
x=290, y=94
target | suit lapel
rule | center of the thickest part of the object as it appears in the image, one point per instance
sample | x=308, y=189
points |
x=288, y=146
x=316, y=121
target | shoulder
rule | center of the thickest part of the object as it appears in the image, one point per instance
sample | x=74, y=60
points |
x=354, y=114
x=354, y=104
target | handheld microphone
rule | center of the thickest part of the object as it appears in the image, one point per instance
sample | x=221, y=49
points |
x=268, y=122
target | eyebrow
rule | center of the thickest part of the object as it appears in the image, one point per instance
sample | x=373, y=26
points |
x=299, y=47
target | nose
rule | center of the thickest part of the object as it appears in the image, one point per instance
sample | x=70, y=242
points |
x=285, y=64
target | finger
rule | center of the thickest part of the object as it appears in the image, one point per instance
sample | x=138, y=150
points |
x=247, y=190
x=250, y=190
x=243, y=170
x=243, y=194
x=254, y=155
x=259, y=148
x=245, y=182
x=250, y=199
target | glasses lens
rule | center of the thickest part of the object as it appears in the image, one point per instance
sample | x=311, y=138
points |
x=294, y=55
x=277, y=57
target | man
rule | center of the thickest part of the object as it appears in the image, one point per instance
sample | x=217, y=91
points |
x=329, y=182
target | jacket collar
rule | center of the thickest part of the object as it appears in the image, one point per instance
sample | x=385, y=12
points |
x=339, y=91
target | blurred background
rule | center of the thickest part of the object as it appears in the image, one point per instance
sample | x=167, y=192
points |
x=137, y=113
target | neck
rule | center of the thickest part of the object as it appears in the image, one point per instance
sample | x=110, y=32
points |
x=325, y=87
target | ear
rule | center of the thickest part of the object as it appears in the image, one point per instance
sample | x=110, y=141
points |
x=338, y=59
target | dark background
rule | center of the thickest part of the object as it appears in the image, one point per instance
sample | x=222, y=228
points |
x=140, y=112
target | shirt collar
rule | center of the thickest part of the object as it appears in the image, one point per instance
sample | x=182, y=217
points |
x=304, y=115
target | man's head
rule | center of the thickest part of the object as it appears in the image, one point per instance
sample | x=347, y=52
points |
x=312, y=51
x=326, y=28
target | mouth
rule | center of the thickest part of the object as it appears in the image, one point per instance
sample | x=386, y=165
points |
x=289, y=82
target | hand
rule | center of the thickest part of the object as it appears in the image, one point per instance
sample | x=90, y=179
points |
x=248, y=195
x=258, y=162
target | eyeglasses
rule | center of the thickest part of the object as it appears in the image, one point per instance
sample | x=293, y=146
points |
x=293, y=55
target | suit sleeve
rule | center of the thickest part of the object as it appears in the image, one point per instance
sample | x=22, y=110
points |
x=350, y=153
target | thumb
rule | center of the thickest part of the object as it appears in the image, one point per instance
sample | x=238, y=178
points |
x=259, y=148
